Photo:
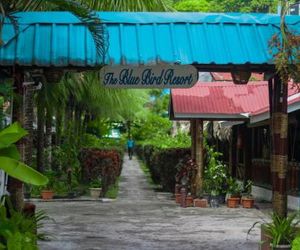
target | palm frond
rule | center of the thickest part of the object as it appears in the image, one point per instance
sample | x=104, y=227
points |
x=89, y=18
x=137, y=5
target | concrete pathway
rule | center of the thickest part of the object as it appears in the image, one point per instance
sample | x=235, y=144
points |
x=141, y=219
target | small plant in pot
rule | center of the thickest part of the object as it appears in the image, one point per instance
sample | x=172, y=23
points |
x=95, y=188
x=280, y=232
x=233, y=192
x=247, y=198
x=47, y=192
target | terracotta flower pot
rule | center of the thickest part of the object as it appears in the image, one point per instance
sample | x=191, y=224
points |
x=47, y=194
x=233, y=202
x=178, y=198
x=247, y=202
x=189, y=201
x=200, y=203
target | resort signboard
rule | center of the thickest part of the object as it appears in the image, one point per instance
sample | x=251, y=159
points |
x=157, y=76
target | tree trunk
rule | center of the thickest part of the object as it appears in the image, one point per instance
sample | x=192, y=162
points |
x=81, y=130
x=279, y=157
x=40, y=138
x=28, y=125
x=58, y=127
x=28, y=122
x=69, y=118
x=48, y=140
x=199, y=146
x=77, y=123
x=15, y=187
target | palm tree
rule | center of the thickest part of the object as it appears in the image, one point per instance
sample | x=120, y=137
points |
x=8, y=10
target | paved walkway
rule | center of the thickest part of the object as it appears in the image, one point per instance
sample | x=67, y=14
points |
x=141, y=219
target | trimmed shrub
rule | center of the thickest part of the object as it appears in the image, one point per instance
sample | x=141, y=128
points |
x=165, y=163
x=101, y=163
x=162, y=163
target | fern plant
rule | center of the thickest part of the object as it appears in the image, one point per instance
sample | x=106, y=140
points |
x=19, y=231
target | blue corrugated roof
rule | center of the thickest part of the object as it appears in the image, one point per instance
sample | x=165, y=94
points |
x=59, y=39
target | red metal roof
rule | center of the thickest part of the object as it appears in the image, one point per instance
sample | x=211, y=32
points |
x=224, y=100
x=225, y=76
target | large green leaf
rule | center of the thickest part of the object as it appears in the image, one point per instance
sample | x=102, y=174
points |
x=22, y=172
x=11, y=134
x=11, y=152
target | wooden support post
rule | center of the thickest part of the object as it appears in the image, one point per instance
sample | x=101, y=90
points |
x=193, y=139
x=199, y=146
x=279, y=157
x=233, y=151
x=247, y=153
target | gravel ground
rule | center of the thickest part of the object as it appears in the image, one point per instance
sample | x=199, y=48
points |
x=146, y=220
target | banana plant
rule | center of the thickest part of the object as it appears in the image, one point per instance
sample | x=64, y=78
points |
x=10, y=157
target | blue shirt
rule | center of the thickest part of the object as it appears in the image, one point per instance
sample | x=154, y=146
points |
x=130, y=143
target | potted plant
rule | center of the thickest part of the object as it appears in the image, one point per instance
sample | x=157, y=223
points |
x=215, y=175
x=280, y=232
x=95, y=188
x=234, y=193
x=47, y=192
x=247, y=198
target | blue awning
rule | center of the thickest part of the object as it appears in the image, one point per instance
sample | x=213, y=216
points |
x=59, y=39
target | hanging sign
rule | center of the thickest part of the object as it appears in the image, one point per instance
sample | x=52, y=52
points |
x=158, y=76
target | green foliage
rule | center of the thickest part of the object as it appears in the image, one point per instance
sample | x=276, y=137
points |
x=192, y=5
x=159, y=102
x=162, y=163
x=296, y=243
x=147, y=173
x=285, y=49
x=9, y=157
x=19, y=231
x=215, y=173
x=121, y=5
x=227, y=5
x=95, y=183
x=65, y=157
x=99, y=127
x=152, y=125
x=248, y=187
x=92, y=141
x=233, y=187
x=113, y=190
x=165, y=141
x=52, y=178
x=281, y=230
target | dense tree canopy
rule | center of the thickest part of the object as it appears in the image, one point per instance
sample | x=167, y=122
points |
x=226, y=5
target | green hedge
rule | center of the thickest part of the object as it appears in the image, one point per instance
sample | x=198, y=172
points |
x=162, y=163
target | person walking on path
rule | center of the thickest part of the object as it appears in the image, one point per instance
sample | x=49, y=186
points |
x=130, y=145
